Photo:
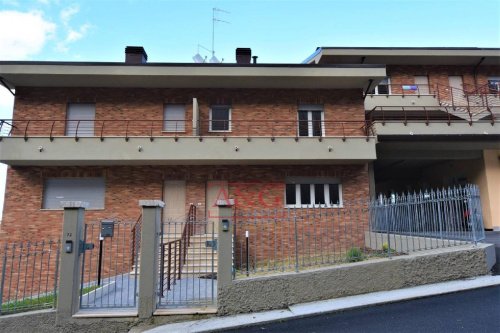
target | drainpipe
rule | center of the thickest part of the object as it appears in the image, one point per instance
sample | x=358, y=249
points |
x=476, y=68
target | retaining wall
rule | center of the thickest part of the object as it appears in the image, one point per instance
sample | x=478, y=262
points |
x=283, y=290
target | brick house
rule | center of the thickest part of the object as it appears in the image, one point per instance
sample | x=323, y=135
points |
x=269, y=136
x=345, y=124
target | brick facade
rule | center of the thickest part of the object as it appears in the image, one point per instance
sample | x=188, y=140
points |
x=253, y=187
x=253, y=111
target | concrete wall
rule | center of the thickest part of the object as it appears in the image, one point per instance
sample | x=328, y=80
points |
x=280, y=291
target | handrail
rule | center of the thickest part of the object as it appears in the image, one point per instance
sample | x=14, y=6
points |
x=152, y=128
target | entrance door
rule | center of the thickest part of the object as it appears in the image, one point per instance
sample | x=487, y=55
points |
x=422, y=81
x=174, y=196
x=216, y=190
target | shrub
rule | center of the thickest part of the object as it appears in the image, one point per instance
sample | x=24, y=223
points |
x=385, y=248
x=354, y=254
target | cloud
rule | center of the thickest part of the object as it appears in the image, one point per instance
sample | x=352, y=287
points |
x=72, y=34
x=23, y=34
x=69, y=12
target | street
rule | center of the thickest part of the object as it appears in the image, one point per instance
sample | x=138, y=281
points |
x=470, y=311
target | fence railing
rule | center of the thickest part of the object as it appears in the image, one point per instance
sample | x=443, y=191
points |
x=297, y=239
x=178, y=128
x=29, y=275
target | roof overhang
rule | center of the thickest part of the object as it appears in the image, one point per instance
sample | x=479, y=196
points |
x=405, y=56
x=50, y=74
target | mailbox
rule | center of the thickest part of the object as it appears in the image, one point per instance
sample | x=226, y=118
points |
x=225, y=225
x=107, y=228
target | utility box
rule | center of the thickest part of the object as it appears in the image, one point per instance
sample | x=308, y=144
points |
x=107, y=228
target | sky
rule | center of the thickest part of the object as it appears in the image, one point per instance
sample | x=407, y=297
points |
x=278, y=31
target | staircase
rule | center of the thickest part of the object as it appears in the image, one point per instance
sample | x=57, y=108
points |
x=468, y=106
x=201, y=257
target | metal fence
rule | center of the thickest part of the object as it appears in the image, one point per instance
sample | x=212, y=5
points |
x=29, y=276
x=110, y=269
x=444, y=217
x=294, y=239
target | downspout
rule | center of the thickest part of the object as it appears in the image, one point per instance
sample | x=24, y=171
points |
x=476, y=68
x=370, y=82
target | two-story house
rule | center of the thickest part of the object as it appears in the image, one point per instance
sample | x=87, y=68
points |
x=269, y=136
x=436, y=117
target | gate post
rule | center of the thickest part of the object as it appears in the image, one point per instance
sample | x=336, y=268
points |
x=150, y=232
x=225, y=243
x=69, y=274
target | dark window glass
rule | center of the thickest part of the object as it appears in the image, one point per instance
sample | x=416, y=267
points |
x=383, y=89
x=316, y=123
x=494, y=86
x=290, y=194
x=305, y=194
x=334, y=194
x=220, y=118
x=303, y=124
x=319, y=194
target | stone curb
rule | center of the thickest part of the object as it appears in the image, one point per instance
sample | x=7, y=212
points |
x=328, y=306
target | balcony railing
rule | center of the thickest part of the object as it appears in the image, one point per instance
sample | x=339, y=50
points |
x=431, y=114
x=182, y=128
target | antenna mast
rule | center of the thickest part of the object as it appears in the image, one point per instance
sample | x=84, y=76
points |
x=215, y=19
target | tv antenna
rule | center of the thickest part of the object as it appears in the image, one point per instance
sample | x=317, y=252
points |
x=197, y=57
x=215, y=19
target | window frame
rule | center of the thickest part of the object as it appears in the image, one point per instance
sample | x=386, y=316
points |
x=389, y=90
x=164, y=129
x=44, y=192
x=310, y=108
x=326, y=191
x=229, y=121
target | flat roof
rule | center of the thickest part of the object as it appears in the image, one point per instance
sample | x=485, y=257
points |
x=188, y=75
x=405, y=55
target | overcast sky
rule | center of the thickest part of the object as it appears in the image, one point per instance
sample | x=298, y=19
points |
x=277, y=31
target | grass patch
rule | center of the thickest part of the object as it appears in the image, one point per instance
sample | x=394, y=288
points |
x=41, y=302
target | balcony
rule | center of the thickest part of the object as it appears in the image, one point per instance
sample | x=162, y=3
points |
x=433, y=110
x=159, y=142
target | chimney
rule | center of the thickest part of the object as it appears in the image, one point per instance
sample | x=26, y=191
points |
x=135, y=55
x=243, y=55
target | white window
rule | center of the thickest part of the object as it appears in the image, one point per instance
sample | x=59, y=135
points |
x=313, y=194
x=220, y=118
x=80, y=119
x=311, y=120
x=174, y=118
x=89, y=189
x=384, y=87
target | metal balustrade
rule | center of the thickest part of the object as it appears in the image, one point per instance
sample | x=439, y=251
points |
x=156, y=128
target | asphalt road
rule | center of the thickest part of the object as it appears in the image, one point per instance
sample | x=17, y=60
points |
x=469, y=311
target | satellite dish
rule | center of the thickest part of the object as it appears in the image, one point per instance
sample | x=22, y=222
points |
x=214, y=60
x=198, y=58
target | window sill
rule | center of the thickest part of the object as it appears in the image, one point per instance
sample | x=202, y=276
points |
x=221, y=131
x=313, y=206
x=173, y=131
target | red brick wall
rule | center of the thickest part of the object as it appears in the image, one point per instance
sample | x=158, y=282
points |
x=438, y=75
x=253, y=187
x=253, y=110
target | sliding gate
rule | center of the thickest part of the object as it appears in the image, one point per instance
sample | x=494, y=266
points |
x=188, y=265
